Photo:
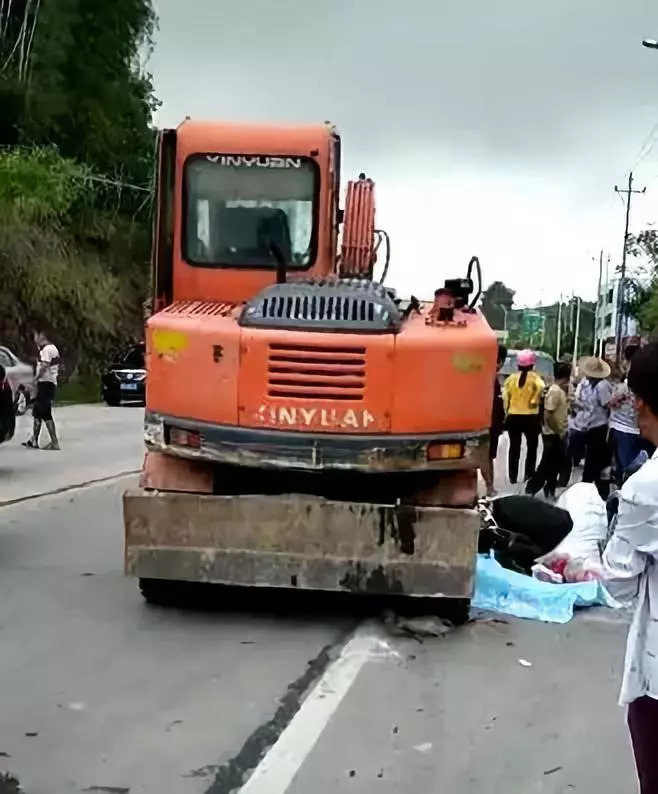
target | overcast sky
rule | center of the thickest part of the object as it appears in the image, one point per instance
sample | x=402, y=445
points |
x=492, y=127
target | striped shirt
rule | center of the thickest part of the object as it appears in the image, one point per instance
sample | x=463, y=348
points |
x=623, y=413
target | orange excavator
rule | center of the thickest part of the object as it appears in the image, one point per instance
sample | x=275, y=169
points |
x=305, y=426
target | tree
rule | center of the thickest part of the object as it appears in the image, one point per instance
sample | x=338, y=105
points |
x=543, y=335
x=50, y=280
x=86, y=93
x=497, y=301
x=75, y=171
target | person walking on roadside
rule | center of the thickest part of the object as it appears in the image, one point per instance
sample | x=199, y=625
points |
x=497, y=425
x=554, y=434
x=592, y=413
x=627, y=443
x=630, y=570
x=46, y=375
x=522, y=394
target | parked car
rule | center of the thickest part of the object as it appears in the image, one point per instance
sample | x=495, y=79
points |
x=125, y=378
x=544, y=366
x=20, y=376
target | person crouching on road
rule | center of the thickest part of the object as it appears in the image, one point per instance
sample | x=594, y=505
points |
x=630, y=565
x=46, y=383
x=497, y=425
x=554, y=434
x=522, y=394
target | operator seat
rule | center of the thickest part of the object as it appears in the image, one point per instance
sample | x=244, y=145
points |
x=244, y=235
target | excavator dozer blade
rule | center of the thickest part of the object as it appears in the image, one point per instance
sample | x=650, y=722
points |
x=299, y=541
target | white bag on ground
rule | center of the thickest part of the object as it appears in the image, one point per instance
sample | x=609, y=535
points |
x=578, y=558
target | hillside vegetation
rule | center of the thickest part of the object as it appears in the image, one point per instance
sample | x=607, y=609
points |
x=76, y=162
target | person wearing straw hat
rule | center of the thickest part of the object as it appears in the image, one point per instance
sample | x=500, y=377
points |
x=591, y=418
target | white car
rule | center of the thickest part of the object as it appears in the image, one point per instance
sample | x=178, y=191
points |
x=21, y=379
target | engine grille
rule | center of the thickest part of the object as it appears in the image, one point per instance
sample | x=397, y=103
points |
x=315, y=372
x=134, y=376
x=329, y=305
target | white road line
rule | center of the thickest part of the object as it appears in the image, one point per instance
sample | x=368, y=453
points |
x=276, y=771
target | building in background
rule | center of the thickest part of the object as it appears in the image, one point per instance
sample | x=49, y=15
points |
x=608, y=307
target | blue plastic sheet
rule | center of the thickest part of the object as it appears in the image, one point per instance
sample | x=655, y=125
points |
x=500, y=590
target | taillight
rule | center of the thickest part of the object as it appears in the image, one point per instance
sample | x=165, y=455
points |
x=184, y=438
x=441, y=451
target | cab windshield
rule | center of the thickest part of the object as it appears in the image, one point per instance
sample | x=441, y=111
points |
x=239, y=208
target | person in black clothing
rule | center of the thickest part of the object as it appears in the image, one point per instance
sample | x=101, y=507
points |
x=554, y=433
x=497, y=423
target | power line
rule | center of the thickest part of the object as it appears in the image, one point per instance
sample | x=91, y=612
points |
x=86, y=176
x=647, y=147
x=654, y=141
x=101, y=180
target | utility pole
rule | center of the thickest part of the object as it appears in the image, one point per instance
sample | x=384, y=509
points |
x=621, y=287
x=602, y=340
x=504, y=317
x=598, y=311
x=577, y=333
x=559, y=330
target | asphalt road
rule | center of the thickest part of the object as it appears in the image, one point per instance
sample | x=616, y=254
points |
x=97, y=442
x=100, y=693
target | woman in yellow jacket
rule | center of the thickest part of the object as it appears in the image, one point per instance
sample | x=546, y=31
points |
x=522, y=395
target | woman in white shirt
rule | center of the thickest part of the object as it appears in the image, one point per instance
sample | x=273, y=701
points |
x=631, y=569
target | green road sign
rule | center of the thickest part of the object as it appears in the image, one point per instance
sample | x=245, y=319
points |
x=532, y=322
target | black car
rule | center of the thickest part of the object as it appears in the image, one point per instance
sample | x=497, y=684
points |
x=125, y=379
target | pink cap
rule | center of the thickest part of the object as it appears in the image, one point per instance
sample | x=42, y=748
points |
x=526, y=358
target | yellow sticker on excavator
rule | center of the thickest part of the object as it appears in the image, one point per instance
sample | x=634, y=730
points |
x=468, y=362
x=168, y=343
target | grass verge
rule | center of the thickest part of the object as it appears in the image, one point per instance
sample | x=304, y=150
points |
x=79, y=390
